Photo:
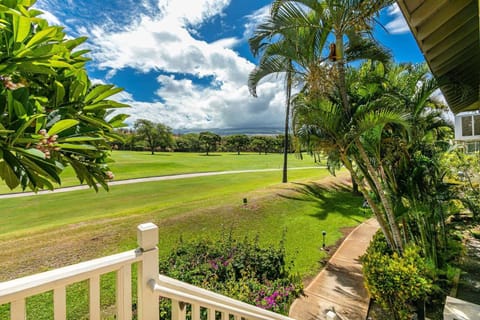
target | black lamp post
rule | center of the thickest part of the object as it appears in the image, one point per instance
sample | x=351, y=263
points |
x=324, y=233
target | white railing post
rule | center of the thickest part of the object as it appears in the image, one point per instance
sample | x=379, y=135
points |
x=147, y=239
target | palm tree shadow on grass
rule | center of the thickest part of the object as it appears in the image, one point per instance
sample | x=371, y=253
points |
x=333, y=198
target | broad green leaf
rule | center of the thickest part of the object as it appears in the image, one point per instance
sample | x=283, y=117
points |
x=117, y=121
x=116, y=104
x=59, y=93
x=40, y=123
x=100, y=105
x=27, y=3
x=76, y=146
x=35, y=68
x=60, y=64
x=95, y=122
x=33, y=152
x=96, y=91
x=73, y=43
x=34, y=12
x=114, y=137
x=8, y=175
x=46, y=51
x=21, y=28
x=79, y=139
x=80, y=53
x=24, y=11
x=119, y=117
x=41, y=166
x=61, y=126
x=42, y=35
x=24, y=126
x=107, y=94
x=76, y=90
x=6, y=169
x=19, y=109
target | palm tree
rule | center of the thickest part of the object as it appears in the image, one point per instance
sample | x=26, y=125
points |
x=354, y=138
x=274, y=59
x=414, y=165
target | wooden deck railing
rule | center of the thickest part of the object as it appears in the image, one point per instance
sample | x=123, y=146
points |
x=151, y=286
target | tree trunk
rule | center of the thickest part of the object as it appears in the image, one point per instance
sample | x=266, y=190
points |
x=287, y=120
x=355, y=187
x=376, y=211
x=342, y=84
x=385, y=201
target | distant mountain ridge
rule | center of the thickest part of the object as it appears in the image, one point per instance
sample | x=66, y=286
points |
x=233, y=131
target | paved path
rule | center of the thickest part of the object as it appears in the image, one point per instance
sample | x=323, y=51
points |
x=340, y=284
x=149, y=179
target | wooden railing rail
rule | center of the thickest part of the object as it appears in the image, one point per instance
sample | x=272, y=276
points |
x=17, y=291
x=151, y=286
x=182, y=293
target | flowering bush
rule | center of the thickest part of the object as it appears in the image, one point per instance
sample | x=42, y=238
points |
x=239, y=269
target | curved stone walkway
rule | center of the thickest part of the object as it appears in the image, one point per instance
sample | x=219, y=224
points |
x=339, y=286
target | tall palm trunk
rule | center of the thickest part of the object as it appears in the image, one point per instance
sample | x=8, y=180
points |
x=342, y=84
x=373, y=206
x=383, y=198
x=286, y=143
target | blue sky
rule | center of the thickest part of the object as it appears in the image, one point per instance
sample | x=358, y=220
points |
x=186, y=63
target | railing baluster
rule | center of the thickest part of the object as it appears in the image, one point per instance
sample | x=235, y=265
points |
x=195, y=311
x=124, y=293
x=147, y=239
x=17, y=310
x=223, y=315
x=211, y=313
x=94, y=297
x=178, y=310
x=60, y=303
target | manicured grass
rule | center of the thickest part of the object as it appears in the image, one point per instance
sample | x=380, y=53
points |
x=195, y=207
x=39, y=212
x=128, y=164
x=299, y=211
x=47, y=231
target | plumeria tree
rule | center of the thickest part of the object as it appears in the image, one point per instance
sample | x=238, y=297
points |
x=51, y=115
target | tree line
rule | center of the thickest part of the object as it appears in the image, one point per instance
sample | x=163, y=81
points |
x=154, y=137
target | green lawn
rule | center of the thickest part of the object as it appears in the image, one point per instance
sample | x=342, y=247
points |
x=36, y=232
x=129, y=164
x=193, y=207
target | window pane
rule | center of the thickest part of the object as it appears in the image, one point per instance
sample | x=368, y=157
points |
x=467, y=126
x=476, y=125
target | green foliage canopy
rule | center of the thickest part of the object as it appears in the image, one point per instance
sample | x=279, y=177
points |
x=51, y=115
x=154, y=134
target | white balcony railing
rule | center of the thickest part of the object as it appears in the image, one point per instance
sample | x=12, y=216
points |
x=151, y=286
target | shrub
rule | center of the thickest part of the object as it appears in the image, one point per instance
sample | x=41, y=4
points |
x=396, y=282
x=239, y=269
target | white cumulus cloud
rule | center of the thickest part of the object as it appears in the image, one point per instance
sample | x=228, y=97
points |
x=165, y=43
x=398, y=25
